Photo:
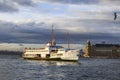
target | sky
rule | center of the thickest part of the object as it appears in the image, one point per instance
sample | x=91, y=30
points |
x=30, y=21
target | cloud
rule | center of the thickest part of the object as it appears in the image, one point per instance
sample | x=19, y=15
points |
x=110, y=2
x=13, y=5
x=72, y=1
x=33, y=32
x=6, y=7
x=23, y=33
x=24, y=2
x=83, y=19
x=90, y=2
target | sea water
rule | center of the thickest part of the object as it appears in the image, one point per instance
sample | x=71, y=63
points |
x=16, y=68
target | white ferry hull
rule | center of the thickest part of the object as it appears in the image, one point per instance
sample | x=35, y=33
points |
x=52, y=59
x=46, y=54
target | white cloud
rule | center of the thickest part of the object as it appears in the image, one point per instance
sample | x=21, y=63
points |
x=92, y=11
x=110, y=2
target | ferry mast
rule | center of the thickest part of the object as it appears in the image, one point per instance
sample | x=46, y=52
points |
x=52, y=41
x=68, y=40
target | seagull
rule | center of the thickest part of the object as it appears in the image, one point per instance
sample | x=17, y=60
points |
x=115, y=15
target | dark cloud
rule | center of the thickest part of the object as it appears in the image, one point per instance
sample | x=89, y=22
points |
x=24, y=2
x=105, y=2
x=73, y=1
x=38, y=33
x=4, y=7
x=10, y=5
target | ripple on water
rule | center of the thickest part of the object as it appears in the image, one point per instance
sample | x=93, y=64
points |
x=86, y=69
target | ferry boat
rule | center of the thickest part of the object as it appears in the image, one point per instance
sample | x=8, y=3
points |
x=51, y=52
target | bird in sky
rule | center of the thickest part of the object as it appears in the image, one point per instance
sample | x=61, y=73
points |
x=115, y=15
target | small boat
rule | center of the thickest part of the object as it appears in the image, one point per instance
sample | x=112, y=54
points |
x=51, y=52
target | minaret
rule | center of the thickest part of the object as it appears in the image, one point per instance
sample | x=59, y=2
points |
x=87, y=49
x=52, y=41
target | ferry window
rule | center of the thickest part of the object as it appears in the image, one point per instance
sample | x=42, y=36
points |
x=47, y=55
x=61, y=50
x=38, y=55
x=59, y=54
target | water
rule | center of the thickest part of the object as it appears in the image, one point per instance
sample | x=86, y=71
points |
x=15, y=68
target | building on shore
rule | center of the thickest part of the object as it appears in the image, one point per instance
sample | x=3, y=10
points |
x=102, y=50
x=87, y=49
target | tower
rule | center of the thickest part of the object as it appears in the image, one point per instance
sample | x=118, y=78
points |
x=87, y=49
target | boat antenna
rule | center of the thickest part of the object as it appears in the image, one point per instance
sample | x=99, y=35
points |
x=53, y=41
x=68, y=40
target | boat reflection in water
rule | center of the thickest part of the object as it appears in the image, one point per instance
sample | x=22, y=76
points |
x=63, y=63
